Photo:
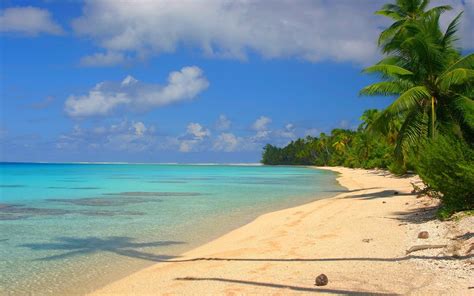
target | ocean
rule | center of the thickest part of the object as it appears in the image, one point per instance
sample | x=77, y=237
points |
x=71, y=228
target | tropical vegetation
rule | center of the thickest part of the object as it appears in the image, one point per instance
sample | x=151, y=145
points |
x=429, y=126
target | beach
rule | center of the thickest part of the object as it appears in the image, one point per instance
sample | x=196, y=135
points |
x=358, y=239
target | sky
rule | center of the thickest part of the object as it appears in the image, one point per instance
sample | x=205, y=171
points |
x=184, y=81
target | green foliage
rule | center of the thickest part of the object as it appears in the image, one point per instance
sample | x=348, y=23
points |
x=361, y=148
x=424, y=69
x=446, y=164
x=432, y=115
x=428, y=127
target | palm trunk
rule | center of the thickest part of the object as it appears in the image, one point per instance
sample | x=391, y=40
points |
x=433, y=116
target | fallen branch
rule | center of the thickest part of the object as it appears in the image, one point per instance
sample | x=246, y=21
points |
x=424, y=247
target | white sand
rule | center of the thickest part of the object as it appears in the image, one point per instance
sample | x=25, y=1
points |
x=358, y=239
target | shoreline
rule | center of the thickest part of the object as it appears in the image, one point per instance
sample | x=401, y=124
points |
x=356, y=238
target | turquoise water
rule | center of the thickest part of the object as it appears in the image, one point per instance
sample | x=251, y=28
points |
x=70, y=228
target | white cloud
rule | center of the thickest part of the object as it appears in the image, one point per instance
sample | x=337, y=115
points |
x=194, y=137
x=103, y=59
x=261, y=124
x=227, y=142
x=139, y=128
x=105, y=97
x=97, y=102
x=197, y=131
x=140, y=136
x=312, y=30
x=122, y=136
x=223, y=123
x=28, y=20
x=287, y=132
x=129, y=80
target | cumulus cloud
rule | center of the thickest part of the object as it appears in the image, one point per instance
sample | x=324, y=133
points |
x=140, y=136
x=311, y=30
x=227, y=142
x=139, y=128
x=28, y=20
x=195, y=135
x=197, y=131
x=287, y=132
x=223, y=123
x=121, y=136
x=261, y=123
x=105, y=97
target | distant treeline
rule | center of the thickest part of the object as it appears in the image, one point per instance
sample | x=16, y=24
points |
x=343, y=147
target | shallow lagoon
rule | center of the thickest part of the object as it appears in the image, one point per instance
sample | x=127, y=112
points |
x=74, y=227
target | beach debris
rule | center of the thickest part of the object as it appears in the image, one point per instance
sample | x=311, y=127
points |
x=423, y=235
x=367, y=240
x=384, y=201
x=321, y=280
x=395, y=192
x=424, y=247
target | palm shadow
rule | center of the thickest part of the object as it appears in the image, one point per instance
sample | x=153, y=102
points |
x=350, y=191
x=417, y=216
x=384, y=173
x=120, y=245
x=349, y=259
x=281, y=286
x=379, y=194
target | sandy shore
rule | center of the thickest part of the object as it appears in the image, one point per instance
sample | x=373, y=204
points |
x=358, y=239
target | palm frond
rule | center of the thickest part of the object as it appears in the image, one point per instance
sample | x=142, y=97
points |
x=467, y=62
x=450, y=35
x=413, y=130
x=409, y=100
x=456, y=77
x=465, y=106
x=388, y=33
x=389, y=13
x=386, y=88
x=424, y=4
x=438, y=10
x=388, y=70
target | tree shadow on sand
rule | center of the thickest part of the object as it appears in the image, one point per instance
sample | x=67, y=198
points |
x=281, y=286
x=124, y=246
x=417, y=216
x=120, y=245
x=378, y=194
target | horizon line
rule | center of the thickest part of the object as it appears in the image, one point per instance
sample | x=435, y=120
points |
x=138, y=163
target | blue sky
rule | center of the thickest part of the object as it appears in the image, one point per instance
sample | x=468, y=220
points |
x=183, y=81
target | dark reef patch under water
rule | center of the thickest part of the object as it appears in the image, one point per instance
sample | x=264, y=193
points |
x=73, y=188
x=12, y=186
x=150, y=193
x=168, y=182
x=20, y=211
x=104, y=201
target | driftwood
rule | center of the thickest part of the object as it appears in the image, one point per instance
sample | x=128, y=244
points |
x=424, y=247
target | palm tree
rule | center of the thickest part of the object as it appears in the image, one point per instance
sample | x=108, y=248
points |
x=404, y=12
x=434, y=84
x=368, y=117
